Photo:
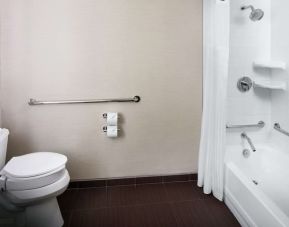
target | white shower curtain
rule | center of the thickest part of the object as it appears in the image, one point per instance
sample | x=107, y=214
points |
x=215, y=75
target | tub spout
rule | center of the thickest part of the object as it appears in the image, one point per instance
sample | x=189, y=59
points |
x=245, y=136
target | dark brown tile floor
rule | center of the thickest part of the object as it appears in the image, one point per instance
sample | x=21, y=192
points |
x=173, y=204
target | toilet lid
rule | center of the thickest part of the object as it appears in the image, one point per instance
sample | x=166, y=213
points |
x=34, y=164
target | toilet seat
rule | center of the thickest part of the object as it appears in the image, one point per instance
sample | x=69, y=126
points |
x=33, y=164
x=33, y=170
x=26, y=197
x=17, y=184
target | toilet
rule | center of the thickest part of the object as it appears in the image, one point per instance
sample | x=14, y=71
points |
x=29, y=185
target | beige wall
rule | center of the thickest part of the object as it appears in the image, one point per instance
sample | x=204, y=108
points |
x=65, y=49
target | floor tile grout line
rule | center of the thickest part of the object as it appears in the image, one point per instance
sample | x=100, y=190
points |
x=107, y=198
x=162, y=183
x=166, y=191
x=123, y=206
x=134, y=184
x=173, y=213
x=135, y=204
x=70, y=219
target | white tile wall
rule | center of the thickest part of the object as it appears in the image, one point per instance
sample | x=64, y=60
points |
x=280, y=51
x=249, y=41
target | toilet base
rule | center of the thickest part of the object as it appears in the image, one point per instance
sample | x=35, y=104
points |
x=43, y=214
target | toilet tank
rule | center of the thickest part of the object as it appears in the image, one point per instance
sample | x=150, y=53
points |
x=3, y=146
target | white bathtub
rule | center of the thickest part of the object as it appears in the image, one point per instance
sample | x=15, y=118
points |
x=257, y=187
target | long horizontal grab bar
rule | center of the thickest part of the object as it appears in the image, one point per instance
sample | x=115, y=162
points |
x=279, y=129
x=34, y=102
x=260, y=124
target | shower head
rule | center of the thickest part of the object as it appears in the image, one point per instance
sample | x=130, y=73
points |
x=256, y=14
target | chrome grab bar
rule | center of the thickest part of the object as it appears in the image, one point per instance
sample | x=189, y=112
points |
x=33, y=102
x=260, y=124
x=279, y=129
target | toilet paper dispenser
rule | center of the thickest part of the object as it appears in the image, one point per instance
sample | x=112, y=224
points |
x=105, y=115
x=104, y=128
x=111, y=131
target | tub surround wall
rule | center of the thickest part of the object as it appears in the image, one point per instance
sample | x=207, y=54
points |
x=250, y=41
x=280, y=46
x=104, y=49
x=263, y=40
x=253, y=179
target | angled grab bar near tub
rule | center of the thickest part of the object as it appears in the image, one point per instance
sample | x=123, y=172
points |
x=33, y=102
x=260, y=124
x=279, y=129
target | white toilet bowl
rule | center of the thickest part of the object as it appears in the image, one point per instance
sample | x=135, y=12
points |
x=29, y=186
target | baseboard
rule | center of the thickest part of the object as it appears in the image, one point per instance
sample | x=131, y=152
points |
x=132, y=181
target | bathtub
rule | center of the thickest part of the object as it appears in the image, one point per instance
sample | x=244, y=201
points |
x=257, y=187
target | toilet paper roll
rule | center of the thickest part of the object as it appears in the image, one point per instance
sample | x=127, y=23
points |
x=112, y=118
x=111, y=131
